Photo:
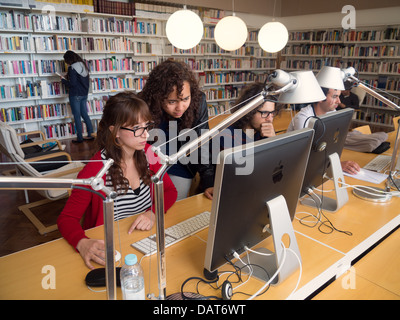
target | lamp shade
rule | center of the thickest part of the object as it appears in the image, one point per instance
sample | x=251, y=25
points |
x=230, y=33
x=305, y=89
x=273, y=36
x=331, y=78
x=184, y=29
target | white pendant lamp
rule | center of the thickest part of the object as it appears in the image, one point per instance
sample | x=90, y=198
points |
x=273, y=36
x=230, y=33
x=184, y=29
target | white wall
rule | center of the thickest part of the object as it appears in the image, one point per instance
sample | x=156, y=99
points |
x=372, y=17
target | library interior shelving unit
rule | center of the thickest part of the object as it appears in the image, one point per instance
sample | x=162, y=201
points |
x=120, y=52
x=373, y=51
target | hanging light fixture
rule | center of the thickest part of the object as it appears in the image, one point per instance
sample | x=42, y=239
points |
x=273, y=36
x=230, y=32
x=184, y=29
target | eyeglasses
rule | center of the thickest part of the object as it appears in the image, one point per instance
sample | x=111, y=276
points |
x=138, y=131
x=265, y=114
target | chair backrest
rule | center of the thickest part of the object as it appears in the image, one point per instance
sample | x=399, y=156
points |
x=9, y=142
x=396, y=122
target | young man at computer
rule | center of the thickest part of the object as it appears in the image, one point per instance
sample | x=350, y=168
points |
x=318, y=109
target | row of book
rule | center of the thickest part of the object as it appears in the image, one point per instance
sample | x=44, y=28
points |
x=114, y=7
x=107, y=25
x=49, y=22
x=148, y=28
x=313, y=50
x=13, y=20
x=227, y=77
x=18, y=67
x=375, y=116
x=228, y=63
x=216, y=109
x=66, y=130
x=373, y=35
x=111, y=64
x=16, y=43
x=59, y=43
x=112, y=84
x=23, y=89
x=36, y=112
x=227, y=92
x=49, y=111
x=371, y=51
x=311, y=64
x=53, y=66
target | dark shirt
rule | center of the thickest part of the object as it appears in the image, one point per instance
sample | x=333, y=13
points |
x=351, y=101
x=78, y=85
x=185, y=167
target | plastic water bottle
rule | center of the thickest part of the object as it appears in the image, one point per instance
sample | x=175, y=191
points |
x=132, y=280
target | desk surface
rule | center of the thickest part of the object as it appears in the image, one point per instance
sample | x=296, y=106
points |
x=24, y=275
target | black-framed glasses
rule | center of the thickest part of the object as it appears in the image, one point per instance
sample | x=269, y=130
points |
x=138, y=131
x=265, y=114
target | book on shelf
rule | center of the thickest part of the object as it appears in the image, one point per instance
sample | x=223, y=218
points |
x=114, y=7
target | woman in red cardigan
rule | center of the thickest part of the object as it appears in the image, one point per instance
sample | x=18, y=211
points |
x=122, y=136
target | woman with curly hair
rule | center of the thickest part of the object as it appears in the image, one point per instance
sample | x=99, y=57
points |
x=122, y=136
x=176, y=103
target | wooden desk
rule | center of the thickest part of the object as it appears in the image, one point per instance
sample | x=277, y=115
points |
x=323, y=256
x=21, y=276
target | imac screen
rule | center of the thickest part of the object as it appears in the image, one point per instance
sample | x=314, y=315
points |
x=330, y=135
x=246, y=178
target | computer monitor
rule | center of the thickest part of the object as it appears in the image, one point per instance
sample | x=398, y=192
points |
x=243, y=213
x=329, y=138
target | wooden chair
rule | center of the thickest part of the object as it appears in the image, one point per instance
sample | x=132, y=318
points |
x=41, y=165
x=364, y=129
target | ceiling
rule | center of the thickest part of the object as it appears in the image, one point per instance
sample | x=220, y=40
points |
x=287, y=8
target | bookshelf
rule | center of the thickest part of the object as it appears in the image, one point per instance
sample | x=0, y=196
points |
x=120, y=51
x=374, y=51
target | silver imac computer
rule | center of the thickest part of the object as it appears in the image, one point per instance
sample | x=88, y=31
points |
x=330, y=132
x=256, y=191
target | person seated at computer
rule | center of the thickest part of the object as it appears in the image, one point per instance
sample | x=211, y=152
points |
x=176, y=103
x=121, y=136
x=254, y=126
x=318, y=109
x=348, y=99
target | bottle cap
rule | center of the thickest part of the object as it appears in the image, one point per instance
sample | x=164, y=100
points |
x=130, y=259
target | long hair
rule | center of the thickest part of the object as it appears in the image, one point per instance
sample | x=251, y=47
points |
x=162, y=81
x=71, y=57
x=123, y=109
x=245, y=96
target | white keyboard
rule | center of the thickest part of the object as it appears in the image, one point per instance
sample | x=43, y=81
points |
x=174, y=234
x=381, y=163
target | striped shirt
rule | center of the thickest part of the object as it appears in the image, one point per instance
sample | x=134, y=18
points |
x=130, y=203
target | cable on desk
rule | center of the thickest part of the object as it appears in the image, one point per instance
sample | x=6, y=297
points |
x=327, y=223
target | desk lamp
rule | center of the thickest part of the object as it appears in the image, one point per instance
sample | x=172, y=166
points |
x=295, y=87
x=364, y=193
x=97, y=184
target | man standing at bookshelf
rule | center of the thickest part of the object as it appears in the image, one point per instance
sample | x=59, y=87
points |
x=78, y=83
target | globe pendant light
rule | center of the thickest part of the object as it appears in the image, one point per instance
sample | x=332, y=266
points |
x=184, y=29
x=230, y=33
x=273, y=36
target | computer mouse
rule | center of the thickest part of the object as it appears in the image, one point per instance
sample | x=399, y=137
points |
x=97, y=277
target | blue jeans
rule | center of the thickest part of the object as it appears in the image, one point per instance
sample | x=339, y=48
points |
x=78, y=107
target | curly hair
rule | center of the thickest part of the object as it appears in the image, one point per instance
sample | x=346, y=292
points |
x=245, y=96
x=162, y=81
x=123, y=109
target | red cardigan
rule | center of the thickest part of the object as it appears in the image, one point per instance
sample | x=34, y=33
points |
x=84, y=203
